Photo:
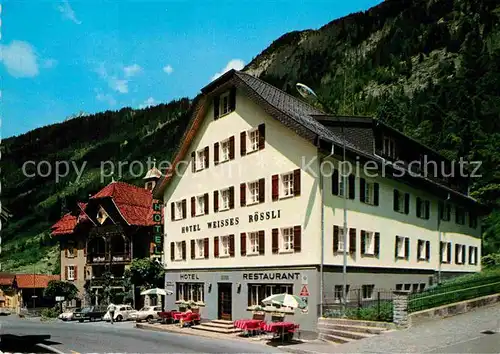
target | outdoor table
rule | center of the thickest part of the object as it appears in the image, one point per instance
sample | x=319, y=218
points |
x=249, y=324
x=166, y=316
x=281, y=328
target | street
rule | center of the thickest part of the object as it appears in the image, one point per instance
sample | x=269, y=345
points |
x=99, y=337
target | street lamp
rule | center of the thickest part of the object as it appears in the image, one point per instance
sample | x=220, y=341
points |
x=308, y=93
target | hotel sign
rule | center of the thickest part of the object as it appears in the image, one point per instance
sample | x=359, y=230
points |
x=157, y=243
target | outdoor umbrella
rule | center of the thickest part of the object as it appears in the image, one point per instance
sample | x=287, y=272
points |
x=285, y=299
x=157, y=291
x=274, y=309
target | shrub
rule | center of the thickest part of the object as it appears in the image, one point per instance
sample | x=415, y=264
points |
x=372, y=313
x=50, y=312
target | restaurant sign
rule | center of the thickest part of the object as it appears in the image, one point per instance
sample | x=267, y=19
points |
x=272, y=276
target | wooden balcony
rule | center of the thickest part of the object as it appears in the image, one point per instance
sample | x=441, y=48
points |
x=97, y=258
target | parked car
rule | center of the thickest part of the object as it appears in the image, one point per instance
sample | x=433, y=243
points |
x=147, y=313
x=68, y=315
x=122, y=313
x=90, y=313
x=4, y=311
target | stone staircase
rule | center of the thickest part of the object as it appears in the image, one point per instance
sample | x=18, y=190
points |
x=344, y=331
x=218, y=326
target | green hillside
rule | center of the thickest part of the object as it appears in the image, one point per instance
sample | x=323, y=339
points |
x=430, y=68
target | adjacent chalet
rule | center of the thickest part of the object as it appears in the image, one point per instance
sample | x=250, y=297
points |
x=101, y=237
x=254, y=205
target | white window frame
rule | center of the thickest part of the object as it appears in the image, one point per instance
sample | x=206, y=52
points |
x=253, y=192
x=389, y=147
x=253, y=140
x=367, y=290
x=401, y=242
x=200, y=159
x=178, y=251
x=286, y=239
x=401, y=202
x=200, y=248
x=187, y=291
x=341, y=240
x=225, y=104
x=254, y=294
x=370, y=243
x=444, y=252
x=224, y=199
x=71, y=272
x=459, y=254
x=225, y=150
x=178, y=210
x=200, y=205
x=369, y=192
x=424, y=208
x=473, y=255
x=253, y=243
x=423, y=250
x=224, y=246
x=286, y=189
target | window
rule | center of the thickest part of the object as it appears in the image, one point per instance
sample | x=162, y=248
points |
x=287, y=184
x=369, y=240
x=178, y=251
x=423, y=250
x=200, y=205
x=287, y=239
x=190, y=292
x=225, y=106
x=200, y=248
x=253, y=243
x=445, y=211
x=460, y=254
x=278, y=289
x=445, y=252
x=255, y=294
x=423, y=208
x=71, y=250
x=399, y=286
x=402, y=247
x=253, y=140
x=369, y=192
x=178, y=210
x=224, y=196
x=407, y=287
x=224, y=246
x=200, y=160
x=401, y=201
x=367, y=291
x=225, y=149
x=422, y=287
x=253, y=191
x=414, y=288
x=472, y=220
x=341, y=240
x=473, y=255
x=71, y=272
x=459, y=216
x=339, y=293
x=389, y=148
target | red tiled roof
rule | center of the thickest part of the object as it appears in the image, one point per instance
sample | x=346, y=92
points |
x=7, y=279
x=65, y=225
x=30, y=281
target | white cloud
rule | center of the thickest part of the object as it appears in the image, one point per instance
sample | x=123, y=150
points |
x=67, y=12
x=149, y=102
x=119, y=85
x=168, y=69
x=105, y=98
x=132, y=70
x=20, y=59
x=236, y=64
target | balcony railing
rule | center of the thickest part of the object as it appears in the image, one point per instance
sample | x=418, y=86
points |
x=97, y=258
x=120, y=258
x=105, y=258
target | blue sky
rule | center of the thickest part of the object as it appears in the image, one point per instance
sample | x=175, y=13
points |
x=59, y=58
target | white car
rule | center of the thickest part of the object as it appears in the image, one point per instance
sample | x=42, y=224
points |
x=68, y=315
x=146, y=313
x=122, y=313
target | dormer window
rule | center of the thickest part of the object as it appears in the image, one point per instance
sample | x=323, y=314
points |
x=224, y=103
x=389, y=147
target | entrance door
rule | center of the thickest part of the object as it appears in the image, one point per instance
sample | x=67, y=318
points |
x=225, y=301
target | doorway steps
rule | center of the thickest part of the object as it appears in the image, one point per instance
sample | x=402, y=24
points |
x=344, y=331
x=218, y=326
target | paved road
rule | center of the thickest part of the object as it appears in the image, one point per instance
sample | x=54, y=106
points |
x=123, y=338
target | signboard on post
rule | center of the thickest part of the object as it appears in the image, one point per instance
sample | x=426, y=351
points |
x=59, y=298
x=157, y=243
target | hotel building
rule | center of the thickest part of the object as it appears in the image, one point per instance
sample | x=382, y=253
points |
x=254, y=205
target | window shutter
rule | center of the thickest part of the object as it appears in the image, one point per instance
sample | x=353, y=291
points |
x=216, y=107
x=262, y=242
x=231, y=245
x=172, y=251
x=297, y=238
x=441, y=251
x=476, y=250
x=193, y=206
x=76, y=273
x=335, y=182
x=184, y=250
x=243, y=143
x=206, y=246
x=216, y=201
x=427, y=250
x=275, y=243
x=262, y=136
x=407, y=203
x=231, y=197
x=193, y=161
x=396, y=246
x=216, y=246
x=296, y=182
x=427, y=209
x=457, y=247
x=352, y=241
x=464, y=257
x=335, y=238
x=449, y=252
x=262, y=190
x=243, y=244
x=192, y=249
x=216, y=153
x=207, y=156
x=419, y=253
x=352, y=186
x=377, y=244
x=375, y=194
x=249, y=295
x=184, y=207
x=243, y=194
x=363, y=242
x=362, y=187
x=407, y=248
x=275, y=187
x=396, y=200
x=205, y=196
x=66, y=272
x=419, y=207
x=231, y=148
x=470, y=254
x=172, y=211
x=232, y=99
